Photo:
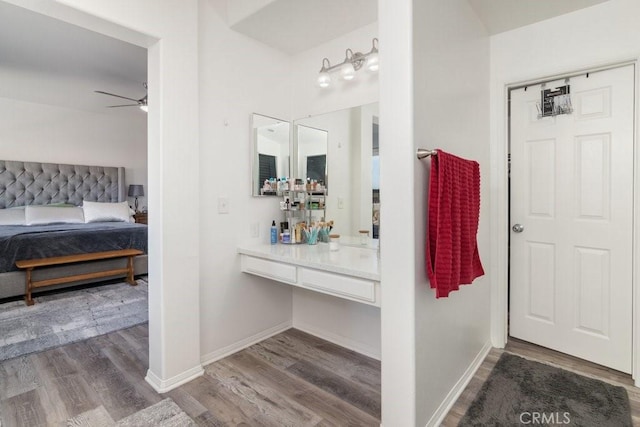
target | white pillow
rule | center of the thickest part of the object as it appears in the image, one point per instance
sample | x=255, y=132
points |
x=101, y=212
x=12, y=216
x=38, y=215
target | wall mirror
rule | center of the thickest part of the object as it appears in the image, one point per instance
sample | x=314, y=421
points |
x=350, y=161
x=271, y=158
x=310, y=154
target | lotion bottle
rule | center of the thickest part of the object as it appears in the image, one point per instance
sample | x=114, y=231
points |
x=274, y=233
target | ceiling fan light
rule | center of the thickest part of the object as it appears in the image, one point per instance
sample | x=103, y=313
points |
x=347, y=71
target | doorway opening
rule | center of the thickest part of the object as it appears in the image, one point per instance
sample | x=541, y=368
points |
x=55, y=121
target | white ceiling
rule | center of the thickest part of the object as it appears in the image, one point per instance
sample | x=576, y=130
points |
x=504, y=15
x=293, y=26
x=46, y=61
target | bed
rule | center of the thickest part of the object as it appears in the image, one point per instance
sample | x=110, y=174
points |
x=25, y=185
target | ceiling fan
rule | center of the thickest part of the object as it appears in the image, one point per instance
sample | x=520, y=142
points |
x=142, y=102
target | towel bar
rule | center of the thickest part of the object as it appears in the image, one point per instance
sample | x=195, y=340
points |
x=421, y=153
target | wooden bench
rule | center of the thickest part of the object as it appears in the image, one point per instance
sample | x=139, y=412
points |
x=30, y=264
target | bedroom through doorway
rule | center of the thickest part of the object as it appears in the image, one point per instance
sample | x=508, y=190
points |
x=73, y=126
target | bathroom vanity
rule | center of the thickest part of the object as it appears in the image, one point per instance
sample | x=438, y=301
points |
x=334, y=295
x=351, y=273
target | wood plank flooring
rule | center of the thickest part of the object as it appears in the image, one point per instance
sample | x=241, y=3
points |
x=291, y=379
x=550, y=357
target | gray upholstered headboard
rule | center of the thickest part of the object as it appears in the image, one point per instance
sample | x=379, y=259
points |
x=31, y=183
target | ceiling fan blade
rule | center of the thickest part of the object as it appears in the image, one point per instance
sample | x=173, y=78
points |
x=127, y=105
x=113, y=94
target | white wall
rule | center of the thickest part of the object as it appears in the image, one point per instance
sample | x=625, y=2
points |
x=350, y=324
x=397, y=161
x=435, y=95
x=451, y=101
x=310, y=100
x=46, y=133
x=599, y=35
x=238, y=76
x=169, y=31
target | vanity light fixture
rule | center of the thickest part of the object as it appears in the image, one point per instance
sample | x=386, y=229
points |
x=352, y=63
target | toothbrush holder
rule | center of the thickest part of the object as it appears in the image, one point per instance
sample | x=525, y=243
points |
x=323, y=235
x=311, y=236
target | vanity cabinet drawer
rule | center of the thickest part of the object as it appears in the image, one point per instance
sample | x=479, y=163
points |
x=339, y=285
x=269, y=269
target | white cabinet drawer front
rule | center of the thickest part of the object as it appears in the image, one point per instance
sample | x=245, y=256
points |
x=338, y=285
x=270, y=269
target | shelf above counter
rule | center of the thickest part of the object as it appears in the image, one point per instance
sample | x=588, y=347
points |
x=351, y=273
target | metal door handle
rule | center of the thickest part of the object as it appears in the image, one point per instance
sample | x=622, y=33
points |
x=518, y=228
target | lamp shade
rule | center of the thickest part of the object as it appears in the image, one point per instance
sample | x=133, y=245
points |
x=347, y=71
x=373, y=63
x=324, y=79
x=136, y=190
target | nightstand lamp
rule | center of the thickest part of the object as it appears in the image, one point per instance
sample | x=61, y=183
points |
x=136, y=190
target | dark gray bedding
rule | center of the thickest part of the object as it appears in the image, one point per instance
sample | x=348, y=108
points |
x=42, y=241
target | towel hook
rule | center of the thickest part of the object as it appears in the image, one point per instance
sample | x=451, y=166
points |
x=421, y=153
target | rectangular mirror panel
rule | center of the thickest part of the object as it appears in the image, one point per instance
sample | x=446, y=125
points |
x=351, y=165
x=270, y=143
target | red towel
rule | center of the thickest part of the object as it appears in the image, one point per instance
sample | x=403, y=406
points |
x=454, y=211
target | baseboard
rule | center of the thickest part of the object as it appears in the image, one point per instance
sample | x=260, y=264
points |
x=163, y=386
x=459, y=387
x=242, y=344
x=339, y=340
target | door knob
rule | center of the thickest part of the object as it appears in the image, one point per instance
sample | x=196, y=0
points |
x=518, y=228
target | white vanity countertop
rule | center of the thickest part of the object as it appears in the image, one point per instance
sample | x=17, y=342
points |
x=351, y=261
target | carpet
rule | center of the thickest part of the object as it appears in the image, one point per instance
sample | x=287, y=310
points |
x=62, y=318
x=520, y=392
x=165, y=413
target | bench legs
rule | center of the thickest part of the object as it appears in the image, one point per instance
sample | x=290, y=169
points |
x=29, y=282
x=130, y=279
x=29, y=286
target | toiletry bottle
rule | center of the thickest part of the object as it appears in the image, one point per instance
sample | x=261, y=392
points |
x=274, y=233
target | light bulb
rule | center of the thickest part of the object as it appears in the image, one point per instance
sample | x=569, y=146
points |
x=347, y=71
x=324, y=79
x=373, y=63
x=144, y=108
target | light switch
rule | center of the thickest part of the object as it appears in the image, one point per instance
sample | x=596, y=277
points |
x=223, y=205
x=254, y=229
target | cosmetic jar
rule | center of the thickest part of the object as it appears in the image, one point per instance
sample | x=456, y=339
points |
x=334, y=242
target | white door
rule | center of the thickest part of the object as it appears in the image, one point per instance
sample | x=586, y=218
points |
x=572, y=194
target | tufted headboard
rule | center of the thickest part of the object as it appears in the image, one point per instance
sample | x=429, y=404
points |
x=31, y=183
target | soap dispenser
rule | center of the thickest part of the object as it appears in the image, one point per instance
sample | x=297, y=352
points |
x=274, y=233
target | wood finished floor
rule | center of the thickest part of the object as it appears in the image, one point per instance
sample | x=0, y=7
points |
x=550, y=357
x=291, y=379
